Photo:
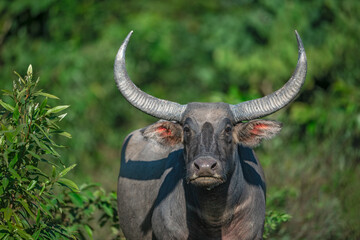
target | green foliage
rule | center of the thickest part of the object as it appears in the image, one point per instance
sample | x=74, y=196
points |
x=37, y=200
x=230, y=51
x=273, y=221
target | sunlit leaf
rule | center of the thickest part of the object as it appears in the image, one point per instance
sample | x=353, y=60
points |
x=66, y=170
x=39, y=93
x=70, y=184
x=65, y=134
x=7, y=106
x=42, y=189
x=88, y=231
x=62, y=116
x=31, y=185
x=29, y=70
x=7, y=92
x=57, y=109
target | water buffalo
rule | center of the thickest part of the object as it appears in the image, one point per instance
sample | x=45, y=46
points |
x=193, y=174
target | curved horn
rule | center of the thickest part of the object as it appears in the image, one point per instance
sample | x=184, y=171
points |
x=273, y=102
x=158, y=108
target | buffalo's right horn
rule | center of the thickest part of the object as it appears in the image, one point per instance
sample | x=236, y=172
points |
x=273, y=102
x=153, y=106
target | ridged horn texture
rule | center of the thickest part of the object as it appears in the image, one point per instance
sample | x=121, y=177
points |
x=275, y=101
x=153, y=106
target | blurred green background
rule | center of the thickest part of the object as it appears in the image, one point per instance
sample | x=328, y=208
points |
x=184, y=51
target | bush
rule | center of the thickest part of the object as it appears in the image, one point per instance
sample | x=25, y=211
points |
x=36, y=200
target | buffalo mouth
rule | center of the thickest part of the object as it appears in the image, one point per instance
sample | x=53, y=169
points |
x=206, y=181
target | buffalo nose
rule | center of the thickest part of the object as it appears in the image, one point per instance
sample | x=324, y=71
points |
x=205, y=166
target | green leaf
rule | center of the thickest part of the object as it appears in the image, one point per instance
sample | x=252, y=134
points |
x=27, y=208
x=7, y=214
x=31, y=185
x=21, y=93
x=6, y=237
x=68, y=183
x=7, y=106
x=65, y=134
x=5, y=182
x=53, y=172
x=39, y=93
x=17, y=74
x=36, y=170
x=57, y=109
x=38, y=216
x=108, y=210
x=7, y=92
x=45, y=134
x=23, y=234
x=16, y=113
x=13, y=161
x=29, y=70
x=88, y=231
x=14, y=174
x=36, y=234
x=46, y=148
x=17, y=220
x=3, y=228
x=34, y=155
x=45, y=210
x=76, y=199
x=42, y=189
x=66, y=170
x=42, y=105
x=61, y=117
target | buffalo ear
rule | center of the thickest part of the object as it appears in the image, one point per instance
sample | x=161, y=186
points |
x=164, y=132
x=250, y=134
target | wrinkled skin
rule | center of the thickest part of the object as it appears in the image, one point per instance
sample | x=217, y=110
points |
x=194, y=179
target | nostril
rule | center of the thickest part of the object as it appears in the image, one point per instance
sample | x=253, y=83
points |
x=213, y=166
x=197, y=166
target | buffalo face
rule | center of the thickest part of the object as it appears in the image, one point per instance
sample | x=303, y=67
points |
x=208, y=144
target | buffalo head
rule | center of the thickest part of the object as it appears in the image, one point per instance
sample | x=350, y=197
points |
x=210, y=132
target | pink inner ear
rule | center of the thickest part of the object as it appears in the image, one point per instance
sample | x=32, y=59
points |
x=163, y=131
x=258, y=128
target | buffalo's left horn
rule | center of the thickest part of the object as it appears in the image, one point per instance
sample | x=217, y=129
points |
x=153, y=106
x=273, y=102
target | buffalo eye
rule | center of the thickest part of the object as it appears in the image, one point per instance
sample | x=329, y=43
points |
x=186, y=130
x=228, y=129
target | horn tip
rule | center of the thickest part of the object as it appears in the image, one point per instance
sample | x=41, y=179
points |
x=121, y=52
x=128, y=37
x=300, y=44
